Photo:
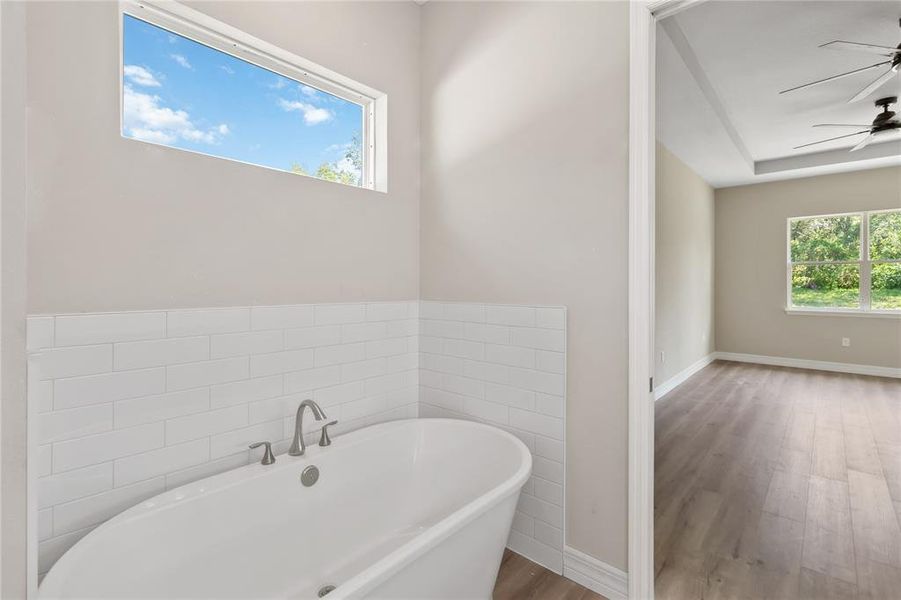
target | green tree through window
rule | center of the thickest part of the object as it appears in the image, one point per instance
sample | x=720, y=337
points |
x=348, y=169
x=885, y=260
x=827, y=269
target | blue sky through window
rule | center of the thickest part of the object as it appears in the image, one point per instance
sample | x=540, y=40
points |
x=180, y=93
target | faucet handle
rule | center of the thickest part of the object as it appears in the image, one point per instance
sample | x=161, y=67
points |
x=324, y=439
x=268, y=457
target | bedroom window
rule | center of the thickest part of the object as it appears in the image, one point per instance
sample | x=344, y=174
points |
x=847, y=262
x=192, y=83
x=884, y=236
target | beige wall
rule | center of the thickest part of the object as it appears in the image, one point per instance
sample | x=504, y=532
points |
x=684, y=267
x=12, y=301
x=751, y=277
x=524, y=200
x=116, y=224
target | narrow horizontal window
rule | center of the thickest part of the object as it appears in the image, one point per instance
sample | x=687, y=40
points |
x=181, y=93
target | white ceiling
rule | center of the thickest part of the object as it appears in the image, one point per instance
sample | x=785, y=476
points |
x=721, y=65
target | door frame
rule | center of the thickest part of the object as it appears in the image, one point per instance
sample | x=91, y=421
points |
x=643, y=17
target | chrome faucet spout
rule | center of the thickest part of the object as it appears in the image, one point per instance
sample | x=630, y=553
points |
x=298, y=446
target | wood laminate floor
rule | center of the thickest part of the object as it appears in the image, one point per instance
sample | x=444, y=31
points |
x=778, y=483
x=521, y=579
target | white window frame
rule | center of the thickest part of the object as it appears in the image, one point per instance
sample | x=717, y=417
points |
x=864, y=262
x=203, y=29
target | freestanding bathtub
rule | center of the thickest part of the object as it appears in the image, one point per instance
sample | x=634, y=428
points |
x=415, y=509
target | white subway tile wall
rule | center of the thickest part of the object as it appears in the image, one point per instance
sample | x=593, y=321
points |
x=132, y=404
x=505, y=365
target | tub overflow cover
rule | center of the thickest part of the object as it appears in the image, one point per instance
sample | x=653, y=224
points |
x=309, y=476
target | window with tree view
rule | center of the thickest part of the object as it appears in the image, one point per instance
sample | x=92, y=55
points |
x=846, y=262
x=188, y=95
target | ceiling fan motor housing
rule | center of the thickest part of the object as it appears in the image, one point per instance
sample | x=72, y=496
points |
x=886, y=119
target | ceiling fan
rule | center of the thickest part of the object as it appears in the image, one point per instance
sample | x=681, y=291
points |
x=884, y=123
x=893, y=63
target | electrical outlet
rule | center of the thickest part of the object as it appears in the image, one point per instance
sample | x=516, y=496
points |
x=846, y=342
x=662, y=357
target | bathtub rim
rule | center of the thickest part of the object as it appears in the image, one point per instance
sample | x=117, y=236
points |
x=365, y=580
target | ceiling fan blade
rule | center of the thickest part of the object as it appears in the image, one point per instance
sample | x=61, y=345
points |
x=839, y=125
x=859, y=47
x=840, y=76
x=863, y=143
x=832, y=139
x=879, y=81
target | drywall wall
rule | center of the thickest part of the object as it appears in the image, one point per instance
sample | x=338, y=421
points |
x=12, y=301
x=116, y=224
x=751, y=278
x=684, y=267
x=524, y=200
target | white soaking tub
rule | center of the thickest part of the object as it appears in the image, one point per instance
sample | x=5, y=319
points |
x=415, y=509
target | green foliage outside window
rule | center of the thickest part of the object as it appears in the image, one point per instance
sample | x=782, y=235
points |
x=825, y=239
x=348, y=169
x=885, y=244
x=837, y=239
x=885, y=236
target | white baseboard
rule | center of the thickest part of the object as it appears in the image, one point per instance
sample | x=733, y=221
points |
x=597, y=576
x=817, y=365
x=667, y=386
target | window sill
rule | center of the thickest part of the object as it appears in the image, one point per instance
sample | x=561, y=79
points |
x=834, y=312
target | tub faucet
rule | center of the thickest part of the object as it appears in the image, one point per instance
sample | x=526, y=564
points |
x=298, y=446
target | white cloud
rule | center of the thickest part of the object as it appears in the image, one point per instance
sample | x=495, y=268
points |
x=312, y=115
x=140, y=76
x=144, y=111
x=145, y=118
x=308, y=91
x=228, y=70
x=181, y=60
x=278, y=84
x=345, y=165
x=152, y=135
x=336, y=147
x=196, y=135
